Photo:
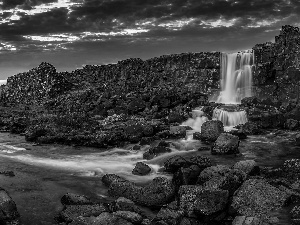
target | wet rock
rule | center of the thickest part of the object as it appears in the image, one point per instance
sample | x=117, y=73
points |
x=8, y=173
x=197, y=136
x=159, y=192
x=124, y=204
x=106, y=218
x=72, y=212
x=251, y=128
x=164, y=144
x=210, y=130
x=74, y=199
x=200, y=149
x=295, y=215
x=226, y=144
x=155, y=151
x=175, y=162
x=291, y=124
x=186, y=176
x=196, y=200
x=291, y=167
x=258, y=198
x=230, y=181
x=297, y=139
x=250, y=167
x=212, y=171
x=241, y=135
x=8, y=208
x=250, y=101
x=244, y=220
x=141, y=169
x=107, y=179
x=146, y=140
x=136, y=105
x=294, y=113
x=168, y=216
x=178, y=131
x=132, y=217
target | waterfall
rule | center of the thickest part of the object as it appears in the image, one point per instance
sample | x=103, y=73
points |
x=230, y=118
x=236, y=77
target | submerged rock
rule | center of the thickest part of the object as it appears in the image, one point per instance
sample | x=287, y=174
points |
x=74, y=199
x=107, y=179
x=177, y=161
x=226, y=144
x=155, y=151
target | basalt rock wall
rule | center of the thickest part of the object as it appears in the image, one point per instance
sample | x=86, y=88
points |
x=277, y=73
x=192, y=71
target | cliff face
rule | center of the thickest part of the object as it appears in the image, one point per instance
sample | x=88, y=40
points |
x=194, y=71
x=277, y=73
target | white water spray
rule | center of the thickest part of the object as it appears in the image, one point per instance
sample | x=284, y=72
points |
x=236, y=78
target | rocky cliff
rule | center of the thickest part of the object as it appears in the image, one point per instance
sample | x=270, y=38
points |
x=195, y=71
x=277, y=73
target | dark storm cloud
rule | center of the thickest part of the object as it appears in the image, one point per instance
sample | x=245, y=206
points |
x=110, y=30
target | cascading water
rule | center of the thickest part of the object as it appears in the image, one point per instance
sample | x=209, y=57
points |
x=236, y=78
x=236, y=84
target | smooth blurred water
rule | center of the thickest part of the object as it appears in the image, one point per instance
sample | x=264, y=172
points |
x=45, y=173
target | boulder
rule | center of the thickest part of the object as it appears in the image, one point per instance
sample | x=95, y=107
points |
x=246, y=220
x=210, y=130
x=72, y=212
x=177, y=161
x=155, y=151
x=291, y=167
x=132, y=217
x=124, y=204
x=230, y=181
x=295, y=215
x=8, y=208
x=250, y=167
x=226, y=144
x=141, y=169
x=74, y=199
x=178, y=131
x=186, y=176
x=294, y=113
x=212, y=171
x=291, y=124
x=168, y=216
x=297, y=139
x=251, y=128
x=106, y=218
x=257, y=198
x=159, y=192
x=107, y=179
x=196, y=200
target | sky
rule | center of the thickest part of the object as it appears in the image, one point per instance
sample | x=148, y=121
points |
x=72, y=33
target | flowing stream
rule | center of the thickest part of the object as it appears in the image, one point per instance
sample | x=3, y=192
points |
x=43, y=174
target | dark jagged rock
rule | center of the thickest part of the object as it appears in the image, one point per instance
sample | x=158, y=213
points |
x=210, y=130
x=250, y=167
x=258, y=198
x=141, y=169
x=107, y=179
x=72, y=212
x=155, y=151
x=159, y=192
x=176, y=162
x=292, y=124
x=226, y=144
x=8, y=209
x=74, y=199
x=198, y=201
